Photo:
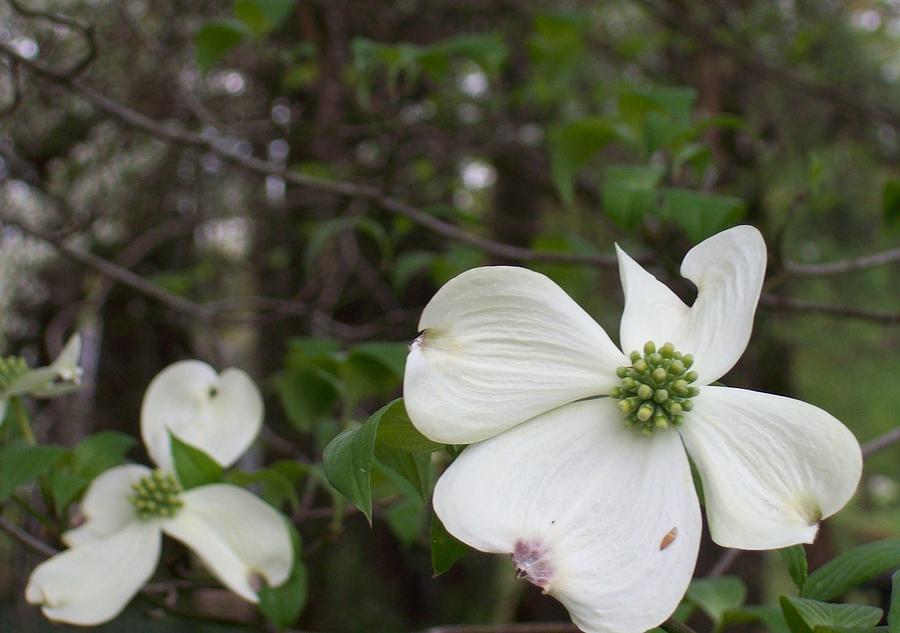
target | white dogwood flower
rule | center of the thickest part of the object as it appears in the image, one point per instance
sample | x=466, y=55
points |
x=60, y=377
x=593, y=496
x=240, y=538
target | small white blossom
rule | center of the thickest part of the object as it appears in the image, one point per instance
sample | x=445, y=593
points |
x=60, y=377
x=592, y=496
x=127, y=509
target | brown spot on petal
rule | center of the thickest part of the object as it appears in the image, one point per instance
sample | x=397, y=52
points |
x=257, y=582
x=669, y=538
x=532, y=563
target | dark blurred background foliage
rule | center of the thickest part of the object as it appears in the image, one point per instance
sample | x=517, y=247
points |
x=281, y=185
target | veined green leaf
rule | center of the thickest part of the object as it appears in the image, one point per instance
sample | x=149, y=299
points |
x=806, y=616
x=715, y=596
x=795, y=557
x=22, y=463
x=446, y=549
x=852, y=568
x=193, y=467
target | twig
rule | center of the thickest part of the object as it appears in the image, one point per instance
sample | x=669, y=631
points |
x=724, y=563
x=177, y=134
x=845, y=265
x=754, y=63
x=881, y=442
x=26, y=539
x=789, y=304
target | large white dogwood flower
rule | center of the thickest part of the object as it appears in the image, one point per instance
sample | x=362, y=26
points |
x=240, y=538
x=593, y=496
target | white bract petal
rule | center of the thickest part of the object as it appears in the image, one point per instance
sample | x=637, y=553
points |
x=220, y=414
x=498, y=346
x=238, y=537
x=105, y=506
x=772, y=467
x=91, y=584
x=600, y=517
x=728, y=270
x=60, y=377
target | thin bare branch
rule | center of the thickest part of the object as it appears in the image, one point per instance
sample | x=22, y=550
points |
x=880, y=443
x=845, y=265
x=212, y=143
x=25, y=538
x=724, y=563
x=788, y=304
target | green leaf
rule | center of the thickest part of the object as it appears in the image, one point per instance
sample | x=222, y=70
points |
x=307, y=394
x=805, y=616
x=261, y=16
x=325, y=232
x=406, y=519
x=348, y=461
x=282, y=605
x=852, y=568
x=890, y=202
x=396, y=431
x=446, y=549
x=193, y=466
x=894, y=613
x=795, y=557
x=700, y=215
x=715, y=596
x=350, y=457
x=100, y=452
x=215, y=39
x=770, y=615
x=408, y=265
x=391, y=355
x=629, y=192
x=572, y=145
x=276, y=488
x=22, y=463
x=65, y=488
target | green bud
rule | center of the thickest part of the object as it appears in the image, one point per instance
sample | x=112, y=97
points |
x=680, y=387
x=645, y=412
x=691, y=376
x=693, y=391
x=667, y=350
x=660, y=395
x=635, y=355
x=629, y=383
x=660, y=422
x=621, y=372
x=676, y=368
x=687, y=405
x=688, y=360
x=655, y=359
x=659, y=375
x=645, y=392
x=674, y=408
x=625, y=406
x=678, y=420
x=640, y=365
x=615, y=392
x=649, y=347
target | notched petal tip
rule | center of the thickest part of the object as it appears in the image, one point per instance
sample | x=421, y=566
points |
x=532, y=561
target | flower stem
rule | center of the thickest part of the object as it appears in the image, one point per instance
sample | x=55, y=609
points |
x=21, y=415
x=674, y=626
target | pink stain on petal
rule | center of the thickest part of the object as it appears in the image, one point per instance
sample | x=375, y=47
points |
x=532, y=563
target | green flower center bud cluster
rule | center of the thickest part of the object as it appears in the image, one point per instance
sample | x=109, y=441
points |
x=11, y=369
x=156, y=496
x=655, y=391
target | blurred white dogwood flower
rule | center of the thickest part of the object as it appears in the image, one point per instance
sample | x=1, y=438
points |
x=593, y=496
x=60, y=377
x=240, y=538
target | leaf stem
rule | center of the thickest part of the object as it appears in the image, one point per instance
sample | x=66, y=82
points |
x=21, y=415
